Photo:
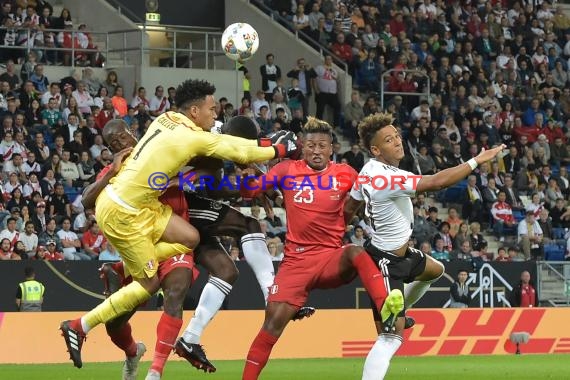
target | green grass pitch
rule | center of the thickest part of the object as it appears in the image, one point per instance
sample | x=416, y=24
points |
x=408, y=368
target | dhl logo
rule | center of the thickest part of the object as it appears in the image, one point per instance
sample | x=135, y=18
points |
x=476, y=331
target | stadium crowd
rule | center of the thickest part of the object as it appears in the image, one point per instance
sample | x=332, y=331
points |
x=498, y=74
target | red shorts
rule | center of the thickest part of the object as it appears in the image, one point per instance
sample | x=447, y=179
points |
x=175, y=198
x=179, y=261
x=301, y=273
x=164, y=268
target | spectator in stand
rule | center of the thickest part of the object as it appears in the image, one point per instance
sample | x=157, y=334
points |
x=39, y=80
x=92, y=84
x=83, y=220
x=454, y=222
x=50, y=234
x=59, y=203
x=119, y=102
x=326, y=89
x=513, y=197
x=49, y=181
x=473, y=201
x=524, y=293
x=111, y=83
x=530, y=236
x=99, y=97
x=459, y=291
x=30, y=240
x=355, y=157
x=49, y=252
x=140, y=97
x=39, y=218
x=553, y=192
x=502, y=255
x=353, y=113
x=158, y=103
x=83, y=98
x=93, y=241
x=269, y=75
x=10, y=75
x=70, y=242
x=10, y=232
x=107, y=113
x=502, y=216
x=109, y=254
x=6, y=252
x=535, y=205
x=477, y=240
x=439, y=251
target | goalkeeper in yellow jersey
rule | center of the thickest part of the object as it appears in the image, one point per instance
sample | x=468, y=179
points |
x=144, y=230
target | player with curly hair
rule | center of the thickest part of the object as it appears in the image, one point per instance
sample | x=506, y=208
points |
x=389, y=209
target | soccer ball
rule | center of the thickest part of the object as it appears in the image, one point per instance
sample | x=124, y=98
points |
x=240, y=41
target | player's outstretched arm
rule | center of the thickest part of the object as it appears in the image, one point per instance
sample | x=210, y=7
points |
x=244, y=151
x=451, y=176
x=92, y=191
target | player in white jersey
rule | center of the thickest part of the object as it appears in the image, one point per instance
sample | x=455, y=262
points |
x=386, y=192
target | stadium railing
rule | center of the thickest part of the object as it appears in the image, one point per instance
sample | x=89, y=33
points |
x=178, y=47
x=415, y=72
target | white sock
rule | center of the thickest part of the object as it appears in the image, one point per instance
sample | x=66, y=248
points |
x=84, y=325
x=378, y=359
x=416, y=290
x=259, y=259
x=210, y=302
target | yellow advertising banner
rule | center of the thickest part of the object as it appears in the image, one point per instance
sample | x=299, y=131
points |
x=35, y=338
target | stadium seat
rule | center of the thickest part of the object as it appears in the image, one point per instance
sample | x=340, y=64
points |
x=554, y=252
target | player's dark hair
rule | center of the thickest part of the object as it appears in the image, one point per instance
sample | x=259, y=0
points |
x=240, y=126
x=314, y=125
x=193, y=91
x=371, y=124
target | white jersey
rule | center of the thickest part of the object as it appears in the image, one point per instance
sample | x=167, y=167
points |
x=387, y=195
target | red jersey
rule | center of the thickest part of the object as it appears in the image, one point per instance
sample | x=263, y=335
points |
x=314, y=201
x=528, y=296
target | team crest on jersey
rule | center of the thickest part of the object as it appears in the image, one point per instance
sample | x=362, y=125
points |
x=150, y=265
x=334, y=187
x=273, y=289
x=216, y=205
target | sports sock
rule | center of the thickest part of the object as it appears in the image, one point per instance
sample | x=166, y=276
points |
x=210, y=302
x=378, y=359
x=123, y=338
x=259, y=259
x=416, y=290
x=118, y=303
x=166, y=333
x=258, y=355
x=371, y=277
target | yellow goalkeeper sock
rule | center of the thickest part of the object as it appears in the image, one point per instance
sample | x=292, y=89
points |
x=119, y=303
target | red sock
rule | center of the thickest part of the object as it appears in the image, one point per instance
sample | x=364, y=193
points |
x=258, y=355
x=166, y=334
x=123, y=339
x=371, y=277
x=76, y=325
